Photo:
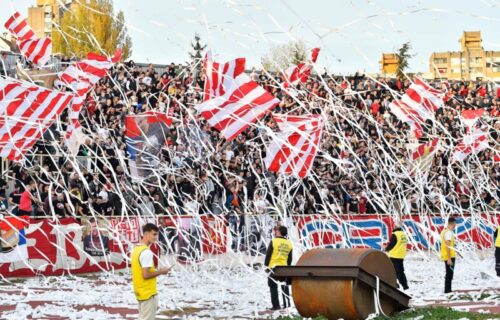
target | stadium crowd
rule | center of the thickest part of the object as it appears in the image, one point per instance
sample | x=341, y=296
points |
x=362, y=168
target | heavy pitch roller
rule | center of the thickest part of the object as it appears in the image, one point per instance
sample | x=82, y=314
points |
x=343, y=283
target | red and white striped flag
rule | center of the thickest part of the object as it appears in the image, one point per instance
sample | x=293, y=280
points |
x=35, y=49
x=407, y=114
x=27, y=111
x=423, y=156
x=81, y=77
x=301, y=72
x=93, y=68
x=243, y=103
x=74, y=133
x=418, y=104
x=472, y=143
x=470, y=117
x=218, y=75
x=294, y=148
x=430, y=98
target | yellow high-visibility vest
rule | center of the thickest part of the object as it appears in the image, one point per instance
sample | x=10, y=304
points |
x=453, y=254
x=281, y=249
x=497, y=241
x=143, y=288
x=399, y=250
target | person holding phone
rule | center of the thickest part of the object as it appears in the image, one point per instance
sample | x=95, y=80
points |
x=144, y=273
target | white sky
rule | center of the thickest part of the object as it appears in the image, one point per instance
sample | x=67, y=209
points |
x=352, y=33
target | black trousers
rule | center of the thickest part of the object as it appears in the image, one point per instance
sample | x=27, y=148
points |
x=400, y=272
x=497, y=260
x=24, y=213
x=448, y=278
x=285, y=291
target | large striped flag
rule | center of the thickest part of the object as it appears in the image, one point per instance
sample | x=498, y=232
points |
x=423, y=156
x=294, y=148
x=93, y=68
x=243, y=103
x=26, y=112
x=301, y=72
x=418, y=104
x=80, y=78
x=472, y=143
x=74, y=133
x=35, y=49
x=218, y=76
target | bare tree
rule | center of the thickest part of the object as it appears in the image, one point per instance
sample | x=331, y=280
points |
x=282, y=56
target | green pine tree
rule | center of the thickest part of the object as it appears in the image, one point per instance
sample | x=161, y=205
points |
x=404, y=57
x=197, y=54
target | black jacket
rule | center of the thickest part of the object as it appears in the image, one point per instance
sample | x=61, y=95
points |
x=393, y=240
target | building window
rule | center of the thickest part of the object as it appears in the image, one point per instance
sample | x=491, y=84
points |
x=476, y=61
x=440, y=60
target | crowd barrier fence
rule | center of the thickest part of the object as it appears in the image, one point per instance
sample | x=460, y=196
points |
x=72, y=245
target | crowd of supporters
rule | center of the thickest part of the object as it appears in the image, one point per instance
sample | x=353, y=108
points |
x=362, y=168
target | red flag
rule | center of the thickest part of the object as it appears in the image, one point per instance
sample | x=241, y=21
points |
x=423, y=156
x=29, y=110
x=294, y=149
x=470, y=117
x=81, y=77
x=418, y=104
x=301, y=72
x=244, y=103
x=35, y=49
x=472, y=143
x=218, y=76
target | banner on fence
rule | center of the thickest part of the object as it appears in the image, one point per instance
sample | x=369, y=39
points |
x=12, y=239
x=372, y=231
x=95, y=237
x=44, y=246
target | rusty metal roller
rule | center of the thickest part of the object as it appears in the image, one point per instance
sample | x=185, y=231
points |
x=340, y=283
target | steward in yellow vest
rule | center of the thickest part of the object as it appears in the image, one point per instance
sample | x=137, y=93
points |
x=279, y=253
x=396, y=249
x=496, y=236
x=448, y=253
x=144, y=273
